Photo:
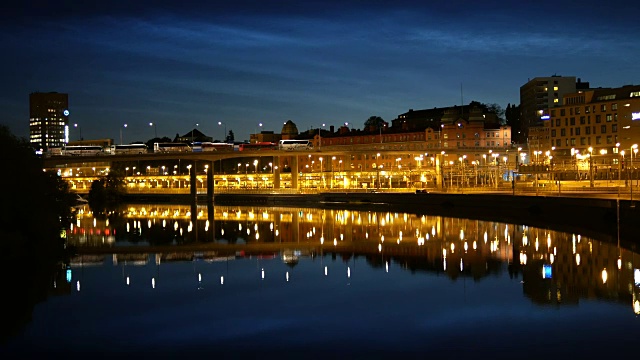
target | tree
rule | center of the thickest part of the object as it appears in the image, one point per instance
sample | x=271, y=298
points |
x=230, y=137
x=35, y=208
x=512, y=115
x=150, y=143
x=374, y=122
x=106, y=194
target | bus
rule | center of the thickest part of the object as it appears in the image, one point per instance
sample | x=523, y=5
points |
x=171, y=147
x=211, y=146
x=258, y=146
x=128, y=149
x=295, y=145
x=82, y=150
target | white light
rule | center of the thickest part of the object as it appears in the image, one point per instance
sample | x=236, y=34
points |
x=263, y=273
x=326, y=271
x=221, y=280
x=348, y=272
x=153, y=283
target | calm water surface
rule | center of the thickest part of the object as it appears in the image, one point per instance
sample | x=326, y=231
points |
x=280, y=283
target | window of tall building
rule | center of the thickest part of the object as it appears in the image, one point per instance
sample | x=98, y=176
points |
x=603, y=129
x=614, y=106
x=598, y=119
x=572, y=121
x=563, y=132
x=582, y=120
x=609, y=117
x=598, y=140
x=553, y=113
x=587, y=130
x=609, y=139
x=577, y=131
x=614, y=128
x=555, y=101
x=603, y=107
x=583, y=141
x=557, y=122
x=586, y=109
x=553, y=133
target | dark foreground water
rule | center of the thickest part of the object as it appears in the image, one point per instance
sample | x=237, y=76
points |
x=340, y=285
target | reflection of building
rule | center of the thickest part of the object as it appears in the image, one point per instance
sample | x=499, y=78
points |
x=48, y=119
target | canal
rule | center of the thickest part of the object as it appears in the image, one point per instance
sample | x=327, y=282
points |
x=293, y=282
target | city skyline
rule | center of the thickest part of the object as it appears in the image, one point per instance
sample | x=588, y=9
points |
x=246, y=63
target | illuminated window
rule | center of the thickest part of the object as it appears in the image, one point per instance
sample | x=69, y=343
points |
x=555, y=88
x=555, y=101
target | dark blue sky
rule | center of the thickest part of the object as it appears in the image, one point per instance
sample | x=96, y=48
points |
x=248, y=62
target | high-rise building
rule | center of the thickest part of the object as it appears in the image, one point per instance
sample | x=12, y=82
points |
x=542, y=93
x=48, y=119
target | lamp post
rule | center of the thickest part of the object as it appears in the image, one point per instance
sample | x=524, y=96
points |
x=155, y=128
x=321, y=170
x=634, y=149
x=80, y=129
x=320, y=136
x=619, y=166
x=225, y=130
x=255, y=164
x=123, y=126
x=192, y=132
x=590, y=166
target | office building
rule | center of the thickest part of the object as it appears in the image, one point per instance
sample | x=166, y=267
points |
x=607, y=120
x=542, y=93
x=48, y=119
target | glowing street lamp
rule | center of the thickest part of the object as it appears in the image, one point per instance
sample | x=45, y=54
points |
x=155, y=128
x=225, y=130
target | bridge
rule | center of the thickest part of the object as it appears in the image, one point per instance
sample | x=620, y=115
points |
x=340, y=168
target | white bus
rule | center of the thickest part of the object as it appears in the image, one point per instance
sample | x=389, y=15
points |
x=82, y=150
x=128, y=149
x=171, y=147
x=211, y=146
x=295, y=145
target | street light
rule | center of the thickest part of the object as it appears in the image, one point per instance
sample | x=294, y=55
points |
x=192, y=133
x=79, y=128
x=320, y=136
x=225, y=130
x=590, y=166
x=255, y=164
x=155, y=128
x=634, y=150
x=123, y=126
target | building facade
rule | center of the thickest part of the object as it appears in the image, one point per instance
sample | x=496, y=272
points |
x=542, y=93
x=605, y=120
x=48, y=119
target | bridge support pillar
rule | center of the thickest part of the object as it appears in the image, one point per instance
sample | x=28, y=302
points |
x=210, y=182
x=294, y=173
x=276, y=172
x=193, y=199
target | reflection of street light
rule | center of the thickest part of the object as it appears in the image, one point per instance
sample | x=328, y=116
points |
x=239, y=165
x=246, y=168
x=255, y=163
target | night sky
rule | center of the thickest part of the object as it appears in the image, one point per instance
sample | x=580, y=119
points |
x=249, y=62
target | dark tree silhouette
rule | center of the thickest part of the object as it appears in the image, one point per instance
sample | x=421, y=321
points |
x=34, y=209
x=375, y=122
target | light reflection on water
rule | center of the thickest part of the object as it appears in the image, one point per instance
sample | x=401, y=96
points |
x=334, y=277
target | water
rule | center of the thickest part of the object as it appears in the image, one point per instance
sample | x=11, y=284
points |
x=317, y=283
